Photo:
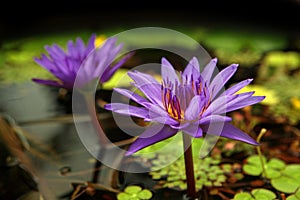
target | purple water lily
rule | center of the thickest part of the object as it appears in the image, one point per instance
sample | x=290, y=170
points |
x=96, y=63
x=190, y=101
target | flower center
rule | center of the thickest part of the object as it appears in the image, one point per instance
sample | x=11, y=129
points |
x=172, y=105
x=176, y=96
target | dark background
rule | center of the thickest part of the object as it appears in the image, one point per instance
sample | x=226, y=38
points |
x=25, y=18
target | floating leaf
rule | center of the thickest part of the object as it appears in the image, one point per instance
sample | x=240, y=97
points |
x=243, y=196
x=295, y=196
x=272, y=173
x=254, y=170
x=263, y=194
x=256, y=194
x=275, y=163
x=133, y=189
x=145, y=194
x=273, y=167
x=289, y=182
x=124, y=196
x=134, y=192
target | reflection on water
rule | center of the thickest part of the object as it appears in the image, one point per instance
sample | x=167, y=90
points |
x=54, y=144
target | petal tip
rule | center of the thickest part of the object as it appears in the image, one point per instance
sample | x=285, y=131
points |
x=235, y=65
x=215, y=60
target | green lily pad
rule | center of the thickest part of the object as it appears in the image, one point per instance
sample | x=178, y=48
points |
x=133, y=189
x=243, y=196
x=134, y=192
x=124, y=196
x=275, y=163
x=263, y=194
x=256, y=194
x=145, y=194
x=295, y=196
x=253, y=165
x=273, y=167
x=289, y=181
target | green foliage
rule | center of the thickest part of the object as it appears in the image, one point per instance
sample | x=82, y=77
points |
x=289, y=181
x=295, y=196
x=119, y=79
x=284, y=178
x=170, y=170
x=271, y=97
x=245, y=48
x=277, y=64
x=256, y=194
x=253, y=166
x=134, y=192
x=285, y=90
x=207, y=173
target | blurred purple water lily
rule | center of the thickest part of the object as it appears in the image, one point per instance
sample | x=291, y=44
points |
x=94, y=63
x=190, y=101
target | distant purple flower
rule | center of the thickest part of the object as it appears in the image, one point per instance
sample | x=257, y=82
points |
x=95, y=62
x=190, y=102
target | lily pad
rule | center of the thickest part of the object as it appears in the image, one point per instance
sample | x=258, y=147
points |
x=273, y=167
x=256, y=194
x=289, y=181
x=134, y=192
x=295, y=196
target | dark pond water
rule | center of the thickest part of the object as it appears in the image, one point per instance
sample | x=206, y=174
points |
x=51, y=134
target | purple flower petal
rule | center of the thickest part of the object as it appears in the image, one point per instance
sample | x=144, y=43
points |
x=109, y=71
x=221, y=79
x=128, y=110
x=45, y=62
x=153, y=134
x=65, y=65
x=193, y=130
x=223, y=108
x=167, y=71
x=221, y=104
x=192, y=69
x=72, y=50
x=214, y=119
x=193, y=111
x=108, y=45
x=148, y=85
x=158, y=114
x=233, y=89
x=218, y=106
x=209, y=70
x=55, y=52
x=81, y=48
x=231, y=132
x=133, y=96
x=47, y=82
x=90, y=45
x=247, y=102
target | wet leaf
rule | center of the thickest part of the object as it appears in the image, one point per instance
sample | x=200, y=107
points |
x=123, y=196
x=243, y=196
x=256, y=194
x=134, y=192
x=145, y=194
x=133, y=189
x=254, y=170
x=272, y=173
x=275, y=163
x=295, y=196
x=263, y=194
x=289, y=182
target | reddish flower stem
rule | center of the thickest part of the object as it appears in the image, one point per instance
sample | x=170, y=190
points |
x=189, y=166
